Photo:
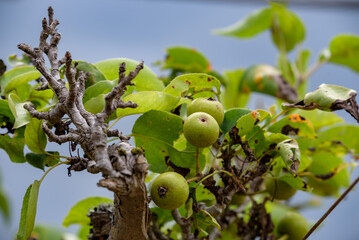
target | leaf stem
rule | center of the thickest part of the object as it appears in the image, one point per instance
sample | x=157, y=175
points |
x=316, y=225
x=58, y=164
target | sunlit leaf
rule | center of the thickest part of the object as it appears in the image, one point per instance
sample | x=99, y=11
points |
x=250, y=26
x=35, y=137
x=344, y=50
x=186, y=60
x=78, y=213
x=21, y=115
x=17, y=76
x=246, y=123
x=149, y=100
x=28, y=211
x=194, y=81
x=294, y=124
x=146, y=80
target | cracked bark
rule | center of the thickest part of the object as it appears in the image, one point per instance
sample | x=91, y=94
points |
x=123, y=168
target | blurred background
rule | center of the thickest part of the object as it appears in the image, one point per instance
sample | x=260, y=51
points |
x=140, y=30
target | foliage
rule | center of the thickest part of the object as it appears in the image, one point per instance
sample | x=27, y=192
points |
x=305, y=145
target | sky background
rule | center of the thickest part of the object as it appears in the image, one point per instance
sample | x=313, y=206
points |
x=140, y=30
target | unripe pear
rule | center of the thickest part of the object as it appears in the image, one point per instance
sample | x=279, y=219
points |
x=294, y=225
x=279, y=189
x=212, y=107
x=169, y=190
x=201, y=129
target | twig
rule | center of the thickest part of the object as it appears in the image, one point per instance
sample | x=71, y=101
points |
x=316, y=225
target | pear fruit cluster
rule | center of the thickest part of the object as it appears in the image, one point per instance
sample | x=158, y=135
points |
x=201, y=128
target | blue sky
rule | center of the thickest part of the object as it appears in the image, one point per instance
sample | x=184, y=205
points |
x=97, y=30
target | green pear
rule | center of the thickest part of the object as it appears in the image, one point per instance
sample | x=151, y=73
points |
x=212, y=107
x=169, y=190
x=201, y=129
x=294, y=225
x=279, y=189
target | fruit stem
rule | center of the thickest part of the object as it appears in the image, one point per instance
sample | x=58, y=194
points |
x=197, y=161
x=316, y=225
x=210, y=175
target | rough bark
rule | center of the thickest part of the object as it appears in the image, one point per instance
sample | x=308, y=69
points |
x=123, y=167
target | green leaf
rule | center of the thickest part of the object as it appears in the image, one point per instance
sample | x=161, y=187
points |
x=40, y=98
x=268, y=80
x=35, y=137
x=248, y=121
x=230, y=118
x=17, y=76
x=21, y=115
x=287, y=28
x=22, y=79
x=319, y=119
x=78, y=213
x=14, y=61
x=302, y=60
x=231, y=97
x=344, y=50
x=5, y=112
x=346, y=134
x=28, y=211
x=294, y=124
x=146, y=80
x=156, y=131
x=101, y=87
x=149, y=100
x=44, y=232
x=328, y=98
x=14, y=146
x=4, y=205
x=327, y=95
x=204, y=219
x=196, y=82
x=290, y=153
x=42, y=160
x=324, y=163
x=295, y=182
x=83, y=232
x=96, y=75
x=250, y=26
x=96, y=104
x=186, y=60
